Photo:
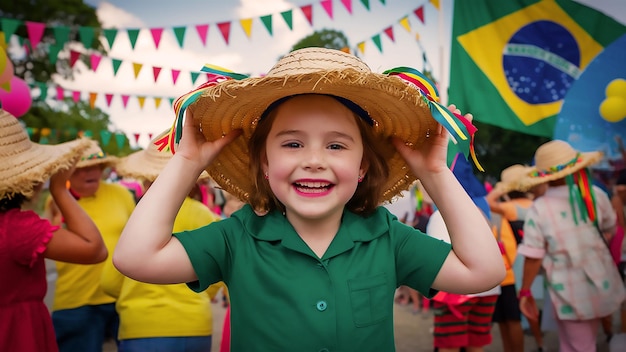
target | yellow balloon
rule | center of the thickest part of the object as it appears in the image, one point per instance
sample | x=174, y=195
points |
x=613, y=109
x=616, y=88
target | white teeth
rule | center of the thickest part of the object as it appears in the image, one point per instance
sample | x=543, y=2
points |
x=320, y=185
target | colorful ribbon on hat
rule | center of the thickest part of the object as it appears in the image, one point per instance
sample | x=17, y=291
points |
x=461, y=130
x=219, y=74
x=581, y=196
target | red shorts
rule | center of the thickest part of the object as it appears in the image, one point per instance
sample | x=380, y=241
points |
x=472, y=329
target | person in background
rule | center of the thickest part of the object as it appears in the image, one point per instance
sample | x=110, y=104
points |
x=161, y=317
x=83, y=314
x=26, y=238
x=564, y=233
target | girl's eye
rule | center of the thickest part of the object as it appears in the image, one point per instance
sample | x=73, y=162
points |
x=336, y=146
x=292, y=145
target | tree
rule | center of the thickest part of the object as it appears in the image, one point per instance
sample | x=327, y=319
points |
x=325, y=38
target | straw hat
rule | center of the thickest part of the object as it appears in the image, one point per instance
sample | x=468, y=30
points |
x=511, y=177
x=146, y=164
x=395, y=108
x=557, y=159
x=95, y=156
x=24, y=163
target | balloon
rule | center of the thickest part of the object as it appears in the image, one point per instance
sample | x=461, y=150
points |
x=617, y=88
x=7, y=74
x=17, y=101
x=613, y=109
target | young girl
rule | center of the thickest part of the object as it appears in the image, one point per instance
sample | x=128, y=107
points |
x=26, y=239
x=311, y=262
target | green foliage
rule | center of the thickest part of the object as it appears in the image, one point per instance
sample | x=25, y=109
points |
x=325, y=38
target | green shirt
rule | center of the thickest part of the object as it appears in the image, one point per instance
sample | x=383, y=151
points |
x=285, y=298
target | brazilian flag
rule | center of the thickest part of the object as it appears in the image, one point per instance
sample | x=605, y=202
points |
x=512, y=62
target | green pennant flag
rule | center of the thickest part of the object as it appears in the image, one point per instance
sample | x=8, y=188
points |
x=9, y=26
x=179, y=32
x=512, y=62
x=376, y=40
x=366, y=3
x=120, y=139
x=288, y=17
x=194, y=77
x=172, y=100
x=132, y=36
x=43, y=91
x=61, y=35
x=86, y=35
x=116, y=65
x=267, y=22
x=53, y=52
x=105, y=136
x=110, y=34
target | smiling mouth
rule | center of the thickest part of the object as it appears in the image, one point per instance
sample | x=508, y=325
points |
x=312, y=187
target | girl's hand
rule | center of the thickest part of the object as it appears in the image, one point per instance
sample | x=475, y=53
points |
x=528, y=306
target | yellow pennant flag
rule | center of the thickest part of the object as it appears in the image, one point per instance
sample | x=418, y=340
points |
x=404, y=22
x=137, y=67
x=92, y=99
x=142, y=101
x=157, y=102
x=435, y=3
x=361, y=47
x=246, y=24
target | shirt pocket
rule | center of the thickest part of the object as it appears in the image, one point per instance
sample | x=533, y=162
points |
x=368, y=296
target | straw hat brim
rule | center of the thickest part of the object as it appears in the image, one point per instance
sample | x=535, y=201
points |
x=396, y=108
x=107, y=161
x=22, y=170
x=535, y=178
x=145, y=165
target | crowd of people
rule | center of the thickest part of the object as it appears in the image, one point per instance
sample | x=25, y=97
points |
x=276, y=201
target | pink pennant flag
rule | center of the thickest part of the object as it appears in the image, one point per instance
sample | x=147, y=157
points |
x=328, y=6
x=155, y=72
x=60, y=93
x=203, y=30
x=419, y=12
x=348, y=5
x=175, y=74
x=389, y=32
x=125, y=100
x=35, y=32
x=150, y=136
x=95, y=61
x=74, y=55
x=156, y=35
x=225, y=30
x=109, y=98
x=76, y=96
x=307, y=11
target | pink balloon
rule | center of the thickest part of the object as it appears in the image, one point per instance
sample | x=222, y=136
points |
x=7, y=74
x=17, y=101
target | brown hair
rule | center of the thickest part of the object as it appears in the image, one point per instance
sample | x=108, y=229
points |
x=369, y=192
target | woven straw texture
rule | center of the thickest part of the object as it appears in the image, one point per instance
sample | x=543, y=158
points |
x=95, y=156
x=511, y=177
x=396, y=107
x=24, y=163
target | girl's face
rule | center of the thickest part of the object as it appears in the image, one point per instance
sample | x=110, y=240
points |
x=314, y=157
x=86, y=180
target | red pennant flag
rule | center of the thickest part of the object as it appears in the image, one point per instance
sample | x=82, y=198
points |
x=225, y=30
x=203, y=30
x=419, y=12
x=108, y=98
x=389, y=32
x=74, y=55
x=156, y=36
x=76, y=96
x=125, y=100
x=136, y=135
x=175, y=74
x=35, y=32
x=60, y=93
x=348, y=5
x=328, y=6
x=150, y=136
x=95, y=61
x=155, y=72
x=307, y=11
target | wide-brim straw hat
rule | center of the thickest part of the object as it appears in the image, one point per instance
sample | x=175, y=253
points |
x=147, y=164
x=396, y=108
x=24, y=163
x=511, y=178
x=557, y=159
x=95, y=156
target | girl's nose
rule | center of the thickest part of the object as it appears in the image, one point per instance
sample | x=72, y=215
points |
x=314, y=159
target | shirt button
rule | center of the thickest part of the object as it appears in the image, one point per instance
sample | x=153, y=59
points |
x=321, y=306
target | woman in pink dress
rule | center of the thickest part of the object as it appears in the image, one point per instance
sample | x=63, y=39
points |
x=26, y=239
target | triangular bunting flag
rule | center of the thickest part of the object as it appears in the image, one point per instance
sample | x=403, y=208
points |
x=136, y=135
x=288, y=17
x=155, y=73
x=328, y=6
x=142, y=101
x=150, y=136
x=175, y=74
x=116, y=65
x=95, y=61
x=125, y=100
x=43, y=91
x=404, y=22
x=361, y=47
x=60, y=93
x=137, y=68
x=157, y=103
x=172, y=101
x=225, y=30
x=246, y=25
x=110, y=34
x=156, y=36
x=53, y=53
x=61, y=35
x=120, y=139
x=25, y=43
x=92, y=99
x=382, y=2
x=74, y=56
x=348, y=5
x=194, y=77
x=267, y=22
x=76, y=96
x=133, y=34
x=419, y=12
x=35, y=32
x=307, y=11
x=366, y=3
x=435, y=3
x=179, y=33
x=203, y=30
x=109, y=98
x=376, y=40
x=86, y=36
x=105, y=136
x=9, y=26
x=389, y=32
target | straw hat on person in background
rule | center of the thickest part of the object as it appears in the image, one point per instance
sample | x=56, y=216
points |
x=388, y=103
x=511, y=178
x=24, y=163
x=557, y=159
